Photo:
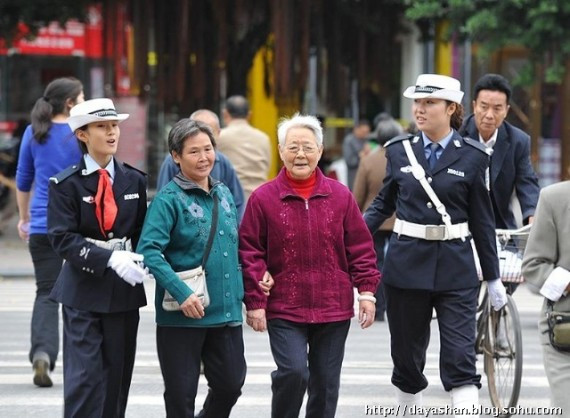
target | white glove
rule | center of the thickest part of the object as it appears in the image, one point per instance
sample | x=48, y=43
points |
x=125, y=264
x=497, y=293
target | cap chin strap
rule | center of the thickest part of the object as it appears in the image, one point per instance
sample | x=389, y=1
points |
x=420, y=174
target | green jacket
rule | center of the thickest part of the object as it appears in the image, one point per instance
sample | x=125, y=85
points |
x=174, y=238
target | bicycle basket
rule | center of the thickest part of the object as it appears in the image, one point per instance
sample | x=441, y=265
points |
x=510, y=249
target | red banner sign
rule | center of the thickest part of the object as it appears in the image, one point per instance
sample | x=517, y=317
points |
x=74, y=39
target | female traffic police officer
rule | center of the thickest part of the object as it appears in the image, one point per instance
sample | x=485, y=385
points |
x=436, y=184
x=95, y=214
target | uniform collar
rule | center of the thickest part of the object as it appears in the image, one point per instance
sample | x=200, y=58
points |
x=444, y=142
x=92, y=166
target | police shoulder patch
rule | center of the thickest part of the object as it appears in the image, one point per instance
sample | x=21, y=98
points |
x=398, y=139
x=62, y=175
x=476, y=144
x=128, y=166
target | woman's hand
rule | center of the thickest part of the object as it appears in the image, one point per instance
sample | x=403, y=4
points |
x=192, y=307
x=266, y=283
x=256, y=319
x=366, y=313
x=24, y=229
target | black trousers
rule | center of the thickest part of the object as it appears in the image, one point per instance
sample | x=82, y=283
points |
x=409, y=316
x=381, y=239
x=180, y=350
x=98, y=359
x=45, y=315
x=306, y=355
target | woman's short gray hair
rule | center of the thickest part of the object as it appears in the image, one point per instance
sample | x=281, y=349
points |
x=186, y=128
x=299, y=121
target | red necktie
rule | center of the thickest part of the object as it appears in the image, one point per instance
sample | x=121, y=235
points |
x=105, y=206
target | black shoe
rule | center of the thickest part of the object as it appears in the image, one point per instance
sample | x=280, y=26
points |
x=41, y=374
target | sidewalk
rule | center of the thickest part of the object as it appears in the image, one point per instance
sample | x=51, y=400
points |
x=15, y=259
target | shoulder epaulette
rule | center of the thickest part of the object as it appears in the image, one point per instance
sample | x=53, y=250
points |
x=62, y=175
x=134, y=168
x=476, y=144
x=398, y=139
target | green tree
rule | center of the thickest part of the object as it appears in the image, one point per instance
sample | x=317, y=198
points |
x=539, y=25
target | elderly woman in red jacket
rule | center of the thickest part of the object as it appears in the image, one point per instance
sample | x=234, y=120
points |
x=306, y=231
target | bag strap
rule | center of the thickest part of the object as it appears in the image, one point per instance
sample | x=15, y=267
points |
x=212, y=232
x=420, y=174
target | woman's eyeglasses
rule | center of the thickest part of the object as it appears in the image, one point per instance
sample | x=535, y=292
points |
x=307, y=149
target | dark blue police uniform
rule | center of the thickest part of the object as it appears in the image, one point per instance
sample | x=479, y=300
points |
x=100, y=310
x=421, y=274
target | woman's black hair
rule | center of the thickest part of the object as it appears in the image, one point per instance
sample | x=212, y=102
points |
x=52, y=103
x=457, y=116
x=82, y=145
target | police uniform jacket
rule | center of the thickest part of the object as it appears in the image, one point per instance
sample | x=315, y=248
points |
x=459, y=180
x=85, y=281
x=510, y=170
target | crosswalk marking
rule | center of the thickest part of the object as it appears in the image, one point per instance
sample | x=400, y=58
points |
x=365, y=375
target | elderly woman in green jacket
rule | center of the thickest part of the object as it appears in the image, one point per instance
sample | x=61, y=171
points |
x=173, y=239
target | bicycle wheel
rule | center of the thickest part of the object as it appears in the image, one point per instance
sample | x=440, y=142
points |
x=504, y=356
x=482, y=321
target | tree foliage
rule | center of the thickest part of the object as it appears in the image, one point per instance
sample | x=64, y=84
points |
x=541, y=26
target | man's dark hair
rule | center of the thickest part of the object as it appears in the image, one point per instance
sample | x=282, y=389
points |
x=494, y=82
x=362, y=122
x=237, y=107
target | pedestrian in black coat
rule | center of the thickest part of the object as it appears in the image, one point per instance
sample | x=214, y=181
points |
x=95, y=214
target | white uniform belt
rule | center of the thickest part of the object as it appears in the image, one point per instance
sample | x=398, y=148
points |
x=432, y=232
x=115, y=244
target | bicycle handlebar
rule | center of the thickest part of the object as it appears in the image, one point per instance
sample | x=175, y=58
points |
x=524, y=230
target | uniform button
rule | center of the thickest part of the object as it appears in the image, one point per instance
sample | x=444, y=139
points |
x=228, y=294
x=227, y=275
x=110, y=235
x=429, y=205
x=228, y=315
x=221, y=232
x=429, y=179
x=225, y=253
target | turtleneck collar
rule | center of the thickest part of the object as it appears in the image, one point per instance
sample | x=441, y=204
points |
x=303, y=187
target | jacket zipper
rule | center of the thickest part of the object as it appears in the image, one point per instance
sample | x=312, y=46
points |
x=312, y=317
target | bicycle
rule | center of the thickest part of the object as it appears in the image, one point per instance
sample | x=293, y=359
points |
x=499, y=337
